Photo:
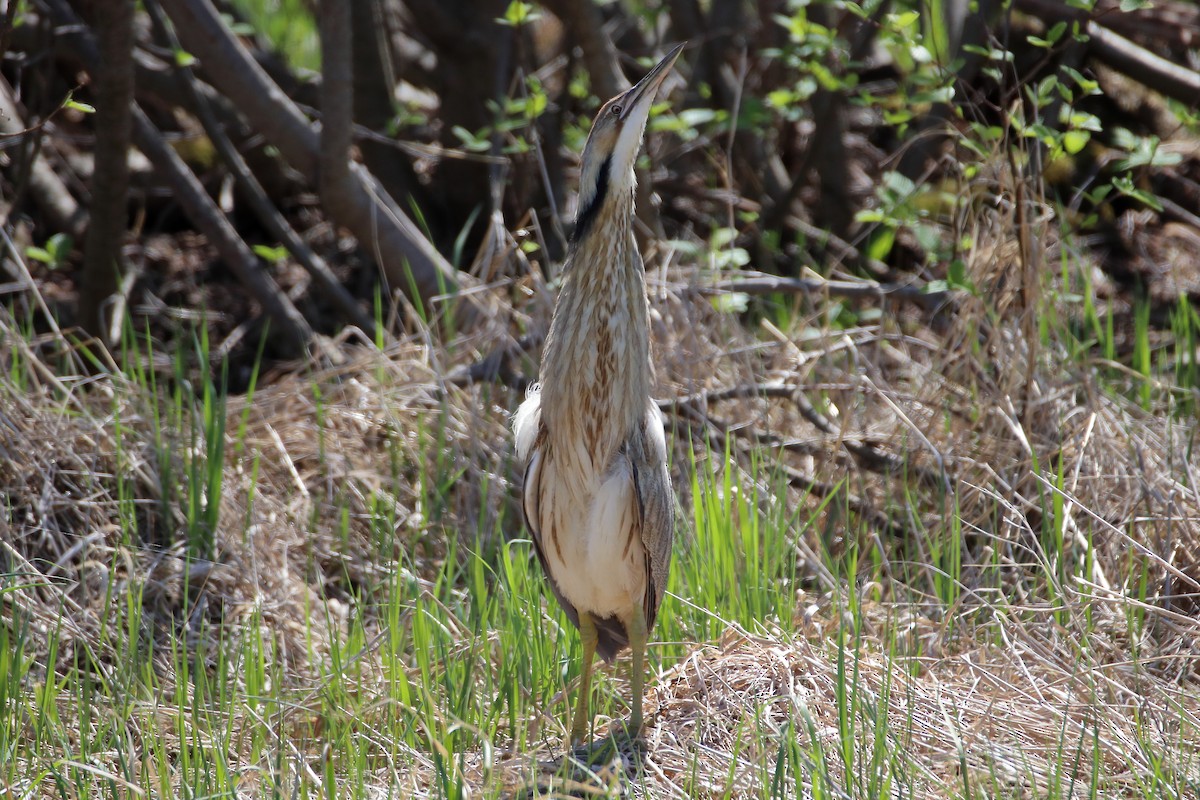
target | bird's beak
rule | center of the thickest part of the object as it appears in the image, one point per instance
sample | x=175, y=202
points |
x=647, y=87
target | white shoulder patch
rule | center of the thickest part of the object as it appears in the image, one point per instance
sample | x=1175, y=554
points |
x=526, y=421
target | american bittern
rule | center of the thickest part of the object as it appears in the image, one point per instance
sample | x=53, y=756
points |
x=597, y=494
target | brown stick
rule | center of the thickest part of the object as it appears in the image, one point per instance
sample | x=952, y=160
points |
x=586, y=24
x=110, y=179
x=256, y=197
x=855, y=290
x=290, y=326
x=49, y=192
x=408, y=261
x=1156, y=72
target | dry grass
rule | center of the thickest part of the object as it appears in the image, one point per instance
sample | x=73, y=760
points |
x=1051, y=652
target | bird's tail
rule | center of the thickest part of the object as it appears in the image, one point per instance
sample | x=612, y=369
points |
x=612, y=637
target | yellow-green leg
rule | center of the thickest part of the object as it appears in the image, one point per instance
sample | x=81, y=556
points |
x=588, y=637
x=637, y=643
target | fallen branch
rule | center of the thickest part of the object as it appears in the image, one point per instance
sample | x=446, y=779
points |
x=1156, y=72
x=409, y=262
x=761, y=284
x=716, y=438
x=866, y=454
x=289, y=325
x=49, y=192
x=274, y=222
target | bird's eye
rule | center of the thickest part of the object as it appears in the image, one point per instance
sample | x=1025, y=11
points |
x=616, y=110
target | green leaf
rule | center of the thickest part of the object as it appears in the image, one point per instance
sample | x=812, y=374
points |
x=83, y=108
x=1134, y=5
x=271, y=254
x=731, y=258
x=1052, y=36
x=956, y=276
x=899, y=184
x=471, y=142
x=518, y=13
x=780, y=98
x=184, y=59
x=881, y=243
x=902, y=21
x=796, y=25
x=927, y=236
x=1083, y=121
x=1074, y=141
x=825, y=76
x=1125, y=186
x=55, y=253
x=936, y=30
x=1085, y=84
x=39, y=254
x=536, y=105
x=1145, y=152
x=59, y=246
x=731, y=302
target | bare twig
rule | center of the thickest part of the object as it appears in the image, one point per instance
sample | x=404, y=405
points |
x=760, y=283
x=13, y=132
x=291, y=326
x=1156, y=72
x=406, y=258
x=263, y=208
x=48, y=190
x=585, y=23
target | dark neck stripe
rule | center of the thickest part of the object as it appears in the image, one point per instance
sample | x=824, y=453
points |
x=587, y=215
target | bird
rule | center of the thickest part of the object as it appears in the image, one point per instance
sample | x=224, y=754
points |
x=597, y=495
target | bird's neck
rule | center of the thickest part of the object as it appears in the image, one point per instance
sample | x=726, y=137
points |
x=596, y=372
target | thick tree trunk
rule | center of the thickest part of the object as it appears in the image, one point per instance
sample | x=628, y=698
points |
x=409, y=262
x=291, y=329
x=374, y=85
x=110, y=180
x=476, y=51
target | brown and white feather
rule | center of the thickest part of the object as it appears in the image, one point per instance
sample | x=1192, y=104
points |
x=597, y=495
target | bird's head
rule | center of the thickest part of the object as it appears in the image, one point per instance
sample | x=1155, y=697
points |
x=613, y=144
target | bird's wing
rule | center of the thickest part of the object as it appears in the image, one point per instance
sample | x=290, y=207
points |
x=527, y=423
x=528, y=433
x=530, y=493
x=656, y=507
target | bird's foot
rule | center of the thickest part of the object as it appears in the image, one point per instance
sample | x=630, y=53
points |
x=627, y=731
x=623, y=736
x=592, y=753
x=620, y=745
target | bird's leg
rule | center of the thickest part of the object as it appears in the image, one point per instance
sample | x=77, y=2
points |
x=637, y=643
x=588, y=637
